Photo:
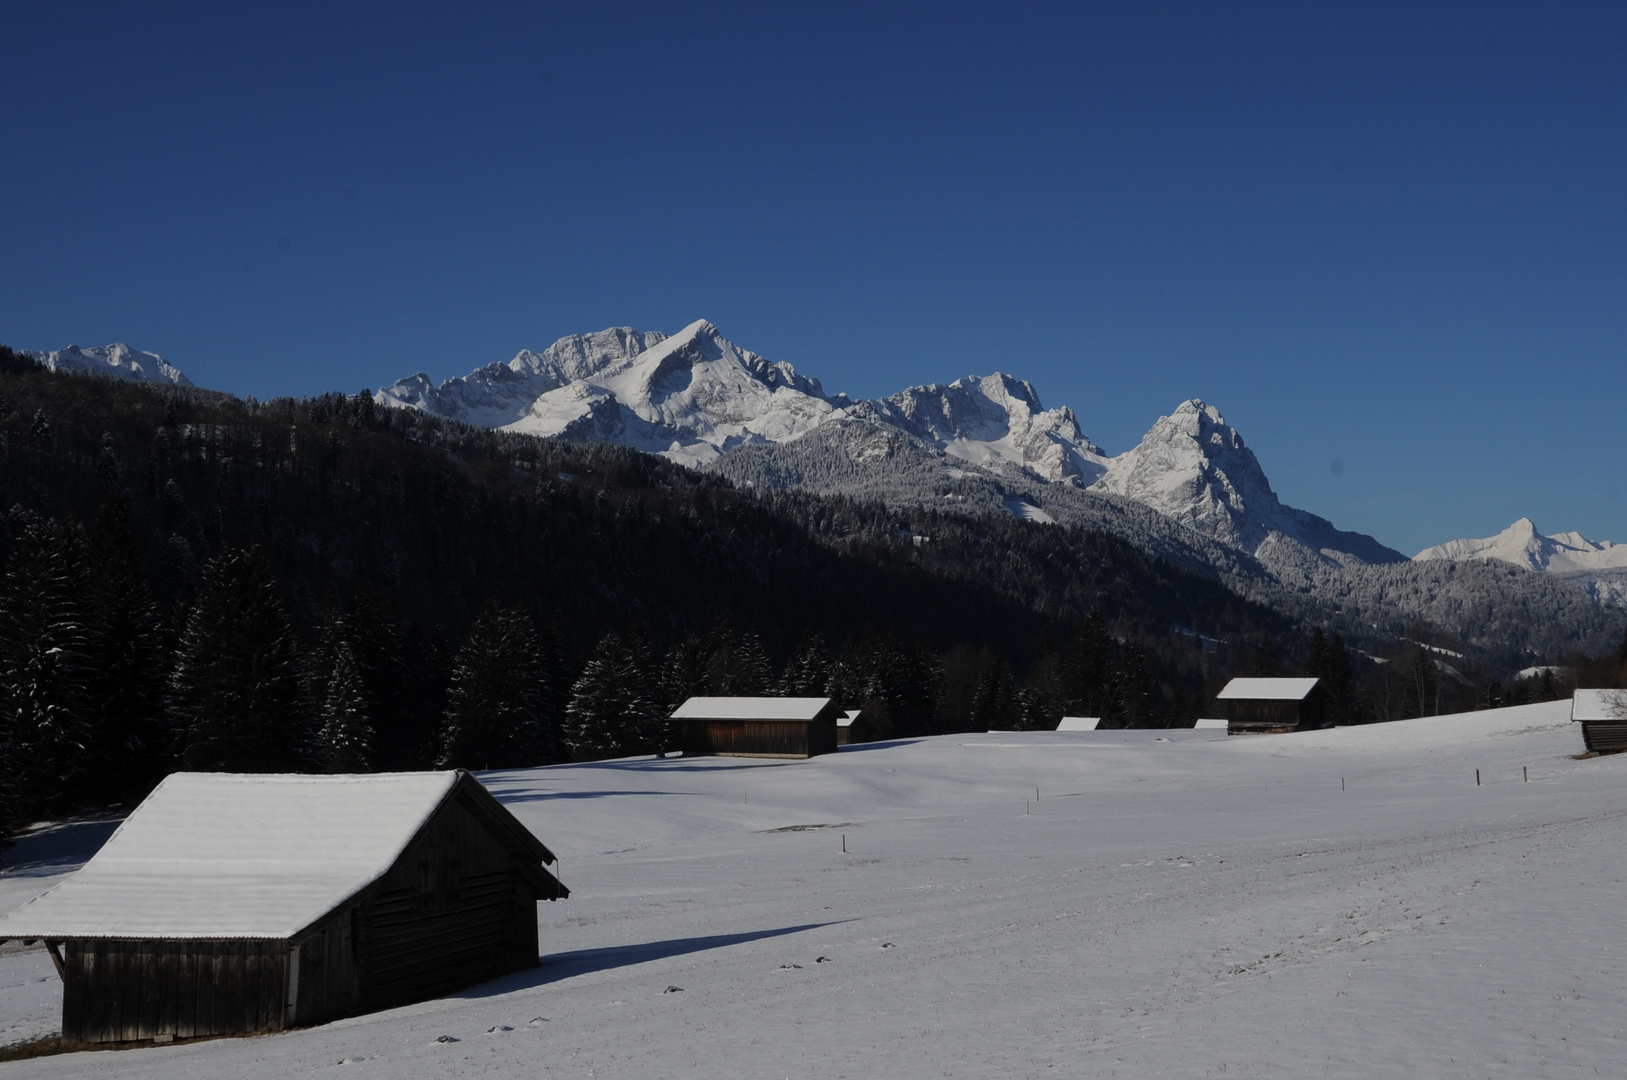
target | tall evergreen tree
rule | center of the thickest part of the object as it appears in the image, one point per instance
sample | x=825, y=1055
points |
x=238, y=693
x=1135, y=689
x=808, y=673
x=1088, y=669
x=347, y=735
x=497, y=707
x=996, y=706
x=132, y=750
x=45, y=673
x=610, y=714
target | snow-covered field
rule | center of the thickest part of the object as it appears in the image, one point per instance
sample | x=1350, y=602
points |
x=1178, y=906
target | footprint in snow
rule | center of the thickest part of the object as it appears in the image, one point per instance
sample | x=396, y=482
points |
x=499, y=1027
x=790, y=967
x=535, y=1020
x=673, y=990
x=445, y=1039
x=822, y=960
x=886, y=945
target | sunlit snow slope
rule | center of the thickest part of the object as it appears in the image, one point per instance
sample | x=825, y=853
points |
x=1344, y=903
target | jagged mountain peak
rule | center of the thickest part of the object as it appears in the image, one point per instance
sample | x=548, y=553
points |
x=995, y=420
x=1195, y=467
x=119, y=361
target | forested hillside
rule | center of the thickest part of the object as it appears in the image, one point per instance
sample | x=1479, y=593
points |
x=200, y=581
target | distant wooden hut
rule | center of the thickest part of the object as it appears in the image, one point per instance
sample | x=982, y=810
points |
x=1078, y=723
x=1603, y=716
x=844, y=726
x=762, y=727
x=229, y=903
x=1265, y=706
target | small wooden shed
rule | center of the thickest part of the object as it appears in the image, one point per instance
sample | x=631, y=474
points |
x=1603, y=716
x=231, y=903
x=1268, y=706
x=762, y=727
x=844, y=727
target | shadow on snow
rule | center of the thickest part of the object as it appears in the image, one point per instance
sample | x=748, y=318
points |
x=559, y=966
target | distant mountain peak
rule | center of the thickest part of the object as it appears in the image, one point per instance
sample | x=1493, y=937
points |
x=1524, y=545
x=118, y=361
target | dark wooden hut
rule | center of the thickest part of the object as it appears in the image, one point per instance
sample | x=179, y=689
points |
x=1603, y=716
x=234, y=903
x=765, y=727
x=1268, y=706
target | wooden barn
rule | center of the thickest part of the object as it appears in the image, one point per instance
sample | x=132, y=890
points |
x=765, y=727
x=844, y=726
x=233, y=903
x=1603, y=716
x=1268, y=706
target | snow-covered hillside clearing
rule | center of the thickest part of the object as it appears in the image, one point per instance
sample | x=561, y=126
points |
x=1175, y=904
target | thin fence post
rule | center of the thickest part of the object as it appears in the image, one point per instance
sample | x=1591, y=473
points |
x=1526, y=769
x=1477, y=778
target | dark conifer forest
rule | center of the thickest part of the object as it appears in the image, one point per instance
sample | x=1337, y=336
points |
x=196, y=581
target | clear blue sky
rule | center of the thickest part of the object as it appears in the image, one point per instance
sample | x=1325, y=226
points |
x=1392, y=237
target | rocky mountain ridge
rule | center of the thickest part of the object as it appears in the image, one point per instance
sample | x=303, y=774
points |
x=699, y=399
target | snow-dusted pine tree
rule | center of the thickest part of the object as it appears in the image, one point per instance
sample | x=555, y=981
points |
x=610, y=713
x=497, y=710
x=347, y=733
x=238, y=693
x=44, y=669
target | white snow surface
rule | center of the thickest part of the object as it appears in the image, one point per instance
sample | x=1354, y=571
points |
x=1177, y=904
x=1523, y=545
x=117, y=361
x=750, y=708
x=1266, y=690
x=223, y=855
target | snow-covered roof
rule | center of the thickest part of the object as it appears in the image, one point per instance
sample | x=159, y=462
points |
x=1079, y=723
x=847, y=718
x=1267, y=689
x=1599, y=705
x=221, y=855
x=751, y=708
x=1209, y=723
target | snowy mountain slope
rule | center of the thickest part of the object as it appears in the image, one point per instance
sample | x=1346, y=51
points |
x=1345, y=903
x=1193, y=467
x=993, y=420
x=689, y=397
x=697, y=398
x=1522, y=545
x=117, y=361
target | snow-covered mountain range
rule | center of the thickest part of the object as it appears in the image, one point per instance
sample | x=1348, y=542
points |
x=1597, y=567
x=696, y=397
x=1522, y=545
x=117, y=360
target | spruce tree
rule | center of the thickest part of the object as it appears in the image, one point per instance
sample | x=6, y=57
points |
x=1088, y=669
x=132, y=750
x=347, y=736
x=808, y=673
x=45, y=674
x=996, y=706
x=609, y=714
x=238, y=693
x=497, y=706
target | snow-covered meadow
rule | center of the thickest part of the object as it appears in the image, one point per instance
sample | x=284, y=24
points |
x=1340, y=903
